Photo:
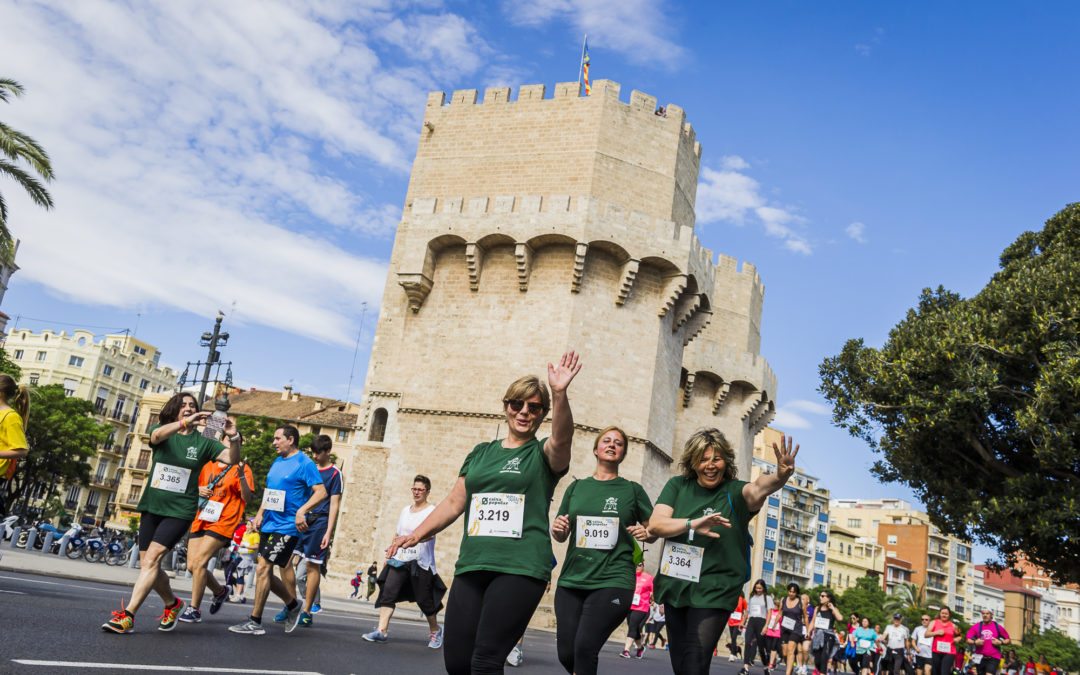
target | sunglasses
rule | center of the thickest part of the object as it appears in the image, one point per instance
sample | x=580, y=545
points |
x=516, y=404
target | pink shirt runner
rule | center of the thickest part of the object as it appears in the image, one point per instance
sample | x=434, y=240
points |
x=642, y=592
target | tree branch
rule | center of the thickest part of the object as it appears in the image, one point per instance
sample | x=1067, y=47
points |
x=981, y=450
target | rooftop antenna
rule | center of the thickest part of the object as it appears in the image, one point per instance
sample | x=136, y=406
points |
x=352, y=368
x=138, y=315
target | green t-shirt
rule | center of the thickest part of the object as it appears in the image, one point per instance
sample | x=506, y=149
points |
x=173, y=486
x=724, y=561
x=494, y=477
x=595, y=501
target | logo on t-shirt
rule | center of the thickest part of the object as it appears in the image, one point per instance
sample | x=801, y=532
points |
x=708, y=511
x=513, y=465
x=611, y=505
x=192, y=452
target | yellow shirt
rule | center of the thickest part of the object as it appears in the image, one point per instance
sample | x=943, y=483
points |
x=12, y=437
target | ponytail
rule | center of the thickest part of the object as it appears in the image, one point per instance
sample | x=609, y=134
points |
x=21, y=404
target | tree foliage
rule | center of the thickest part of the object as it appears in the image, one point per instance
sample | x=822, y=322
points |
x=61, y=436
x=1059, y=649
x=259, y=452
x=20, y=158
x=8, y=366
x=975, y=403
x=865, y=598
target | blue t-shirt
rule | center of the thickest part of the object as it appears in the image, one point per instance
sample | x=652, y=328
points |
x=295, y=475
x=331, y=478
x=864, y=639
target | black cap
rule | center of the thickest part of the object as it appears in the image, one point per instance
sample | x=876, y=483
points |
x=897, y=615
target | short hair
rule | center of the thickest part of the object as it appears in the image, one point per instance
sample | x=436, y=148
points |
x=695, y=448
x=171, y=410
x=420, y=478
x=321, y=443
x=289, y=432
x=527, y=387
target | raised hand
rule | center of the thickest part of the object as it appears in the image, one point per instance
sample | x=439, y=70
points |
x=560, y=376
x=230, y=427
x=785, y=457
x=560, y=528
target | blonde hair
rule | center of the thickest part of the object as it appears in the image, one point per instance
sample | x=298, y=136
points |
x=603, y=432
x=527, y=387
x=15, y=396
x=700, y=441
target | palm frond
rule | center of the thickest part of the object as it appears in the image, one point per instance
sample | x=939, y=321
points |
x=17, y=145
x=35, y=189
x=9, y=86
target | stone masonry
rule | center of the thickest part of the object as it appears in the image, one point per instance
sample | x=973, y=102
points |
x=533, y=226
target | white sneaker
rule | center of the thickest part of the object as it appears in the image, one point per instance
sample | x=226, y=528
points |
x=516, y=657
x=731, y=658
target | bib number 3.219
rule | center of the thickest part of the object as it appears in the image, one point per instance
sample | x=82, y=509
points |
x=496, y=514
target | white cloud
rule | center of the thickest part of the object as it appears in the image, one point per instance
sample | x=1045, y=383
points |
x=729, y=195
x=867, y=46
x=793, y=415
x=211, y=152
x=637, y=29
x=857, y=231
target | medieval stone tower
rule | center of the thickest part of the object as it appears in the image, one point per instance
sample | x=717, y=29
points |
x=533, y=226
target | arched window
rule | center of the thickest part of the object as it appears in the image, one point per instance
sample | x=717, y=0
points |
x=378, y=426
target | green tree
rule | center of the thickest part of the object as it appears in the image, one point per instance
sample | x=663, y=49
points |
x=259, y=452
x=16, y=148
x=62, y=436
x=8, y=366
x=905, y=597
x=1058, y=648
x=865, y=598
x=975, y=403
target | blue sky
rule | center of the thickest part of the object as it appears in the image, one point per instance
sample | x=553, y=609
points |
x=253, y=157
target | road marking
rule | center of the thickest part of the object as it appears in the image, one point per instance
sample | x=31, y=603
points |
x=146, y=666
x=13, y=592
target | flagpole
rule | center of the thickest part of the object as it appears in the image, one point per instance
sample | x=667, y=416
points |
x=581, y=66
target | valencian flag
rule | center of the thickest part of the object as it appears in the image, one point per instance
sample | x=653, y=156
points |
x=585, y=65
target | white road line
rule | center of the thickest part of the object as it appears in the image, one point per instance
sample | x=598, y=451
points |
x=146, y=666
x=12, y=592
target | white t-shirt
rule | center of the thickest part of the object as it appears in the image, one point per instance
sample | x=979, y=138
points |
x=923, y=650
x=758, y=606
x=895, y=636
x=409, y=521
x=657, y=616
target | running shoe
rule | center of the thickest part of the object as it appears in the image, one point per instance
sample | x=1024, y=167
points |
x=375, y=636
x=731, y=658
x=219, y=600
x=282, y=615
x=640, y=653
x=625, y=654
x=316, y=608
x=515, y=658
x=305, y=620
x=120, y=622
x=435, y=639
x=191, y=615
x=248, y=627
x=292, y=617
x=168, y=618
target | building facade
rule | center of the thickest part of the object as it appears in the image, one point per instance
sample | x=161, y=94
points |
x=531, y=226
x=6, y=270
x=939, y=561
x=986, y=597
x=115, y=373
x=791, y=536
x=850, y=556
x=1023, y=606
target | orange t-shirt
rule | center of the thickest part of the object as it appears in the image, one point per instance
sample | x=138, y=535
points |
x=226, y=493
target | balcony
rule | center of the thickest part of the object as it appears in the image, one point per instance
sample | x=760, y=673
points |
x=933, y=585
x=795, y=546
x=124, y=418
x=71, y=504
x=793, y=569
x=798, y=526
x=141, y=466
x=105, y=483
x=940, y=551
x=934, y=569
x=811, y=509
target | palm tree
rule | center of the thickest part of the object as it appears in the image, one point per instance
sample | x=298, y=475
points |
x=905, y=597
x=15, y=146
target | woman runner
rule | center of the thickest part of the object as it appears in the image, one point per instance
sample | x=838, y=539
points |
x=944, y=634
x=504, y=562
x=410, y=575
x=823, y=630
x=602, y=516
x=700, y=578
x=792, y=621
x=14, y=414
x=865, y=637
x=756, y=614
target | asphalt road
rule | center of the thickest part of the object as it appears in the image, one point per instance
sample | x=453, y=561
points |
x=53, y=625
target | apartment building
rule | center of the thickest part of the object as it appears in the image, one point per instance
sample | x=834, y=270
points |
x=1023, y=606
x=986, y=597
x=114, y=372
x=791, y=536
x=922, y=553
x=849, y=557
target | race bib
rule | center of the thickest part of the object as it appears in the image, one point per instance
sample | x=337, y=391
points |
x=408, y=554
x=496, y=514
x=787, y=623
x=943, y=646
x=596, y=532
x=735, y=616
x=637, y=599
x=170, y=478
x=864, y=644
x=211, y=512
x=976, y=658
x=757, y=611
x=273, y=500
x=925, y=642
x=682, y=561
x=821, y=622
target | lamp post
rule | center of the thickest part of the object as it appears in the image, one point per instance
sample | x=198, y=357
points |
x=211, y=340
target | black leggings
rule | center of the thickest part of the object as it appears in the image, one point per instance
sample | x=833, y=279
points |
x=823, y=655
x=942, y=664
x=733, y=639
x=894, y=660
x=584, y=620
x=692, y=635
x=486, y=614
x=755, y=642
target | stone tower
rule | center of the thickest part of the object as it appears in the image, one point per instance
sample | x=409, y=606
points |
x=532, y=226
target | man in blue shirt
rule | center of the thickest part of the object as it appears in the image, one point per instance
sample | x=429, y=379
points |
x=315, y=543
x=293, y=488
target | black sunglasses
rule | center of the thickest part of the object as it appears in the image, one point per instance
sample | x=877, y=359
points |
x=516, y=404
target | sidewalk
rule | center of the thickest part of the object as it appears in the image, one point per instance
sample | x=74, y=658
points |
x=18, y=560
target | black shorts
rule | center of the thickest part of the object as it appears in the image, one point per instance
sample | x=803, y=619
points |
x=921, y=661
x=411, y=583
x=634, y=622
x=786, y=636
x=988, y=666
x=277, y=548
x=220, y=537
x=163, y=530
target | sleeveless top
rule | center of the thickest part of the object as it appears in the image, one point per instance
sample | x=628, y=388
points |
x=792, y=612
